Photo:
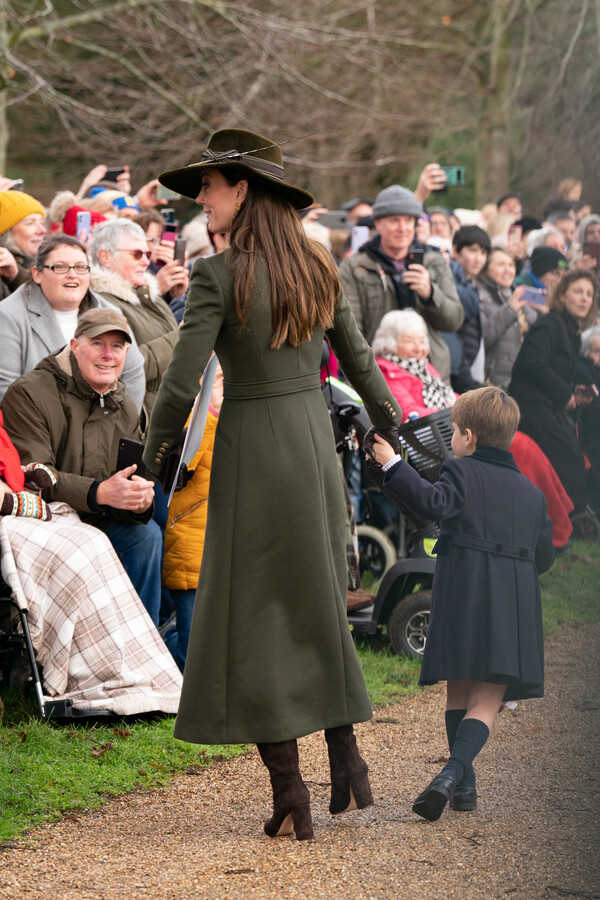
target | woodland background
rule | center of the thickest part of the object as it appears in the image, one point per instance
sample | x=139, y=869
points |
x=508, y=88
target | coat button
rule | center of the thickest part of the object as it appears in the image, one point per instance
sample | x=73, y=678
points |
x=499, y=548
x=157, y=460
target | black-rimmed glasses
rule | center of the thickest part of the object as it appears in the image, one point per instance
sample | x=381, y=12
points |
x=62, y=268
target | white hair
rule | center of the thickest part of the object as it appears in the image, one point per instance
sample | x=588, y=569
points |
x=109, y=236
x=587, y=336
x=393, y=326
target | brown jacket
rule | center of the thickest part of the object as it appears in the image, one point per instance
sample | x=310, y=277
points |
x=53, y=416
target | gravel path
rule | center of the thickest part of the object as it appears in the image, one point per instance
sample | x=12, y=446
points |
x=534, y=835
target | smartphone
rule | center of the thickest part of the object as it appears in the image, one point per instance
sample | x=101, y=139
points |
x=165, y=193
x=415, y=256
x=130, y=452
x=17, y=185
x=534, y=295
x=593, y=250
x=113, y=174
x=338, y=219
x=586, y=392
x=180, y=250
x=169, y=232
x=360, y=236
x=84, y=226
x=168, y=214
x=455, y=175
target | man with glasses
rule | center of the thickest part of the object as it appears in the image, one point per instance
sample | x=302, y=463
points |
x=70, y=413
x=120, y=256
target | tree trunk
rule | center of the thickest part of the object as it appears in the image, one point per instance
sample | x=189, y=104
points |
x=3, y=92
x=493, y=125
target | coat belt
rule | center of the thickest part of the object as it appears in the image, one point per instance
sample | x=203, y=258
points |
x=496, y=548
x=256, y=390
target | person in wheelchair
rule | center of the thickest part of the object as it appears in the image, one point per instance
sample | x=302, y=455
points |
x=91, y=634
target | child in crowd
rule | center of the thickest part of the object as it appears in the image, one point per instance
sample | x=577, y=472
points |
x=184, y=534
x=485, y=635
x=470, y=248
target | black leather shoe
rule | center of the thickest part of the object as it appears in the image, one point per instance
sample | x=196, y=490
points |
x=431, y=802
x=464, y=798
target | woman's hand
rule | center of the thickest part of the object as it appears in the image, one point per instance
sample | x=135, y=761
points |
x=146, y=196
x=572, y=404
x=515, y=300
x=417, y=277
x=8, y=265
x=173, y=279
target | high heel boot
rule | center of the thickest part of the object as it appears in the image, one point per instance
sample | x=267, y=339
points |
x=291, y=800
x=350, y=788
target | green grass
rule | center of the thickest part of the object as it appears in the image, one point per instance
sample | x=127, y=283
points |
x=46, y=770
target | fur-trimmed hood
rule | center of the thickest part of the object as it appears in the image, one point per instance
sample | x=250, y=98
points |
x=105, y=281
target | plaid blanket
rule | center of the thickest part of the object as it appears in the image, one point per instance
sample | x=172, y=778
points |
x=92, y=636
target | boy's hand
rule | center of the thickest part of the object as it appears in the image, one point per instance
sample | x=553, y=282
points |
x=375, y=439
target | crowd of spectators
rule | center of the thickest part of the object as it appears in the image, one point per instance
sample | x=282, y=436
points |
x=92, y=292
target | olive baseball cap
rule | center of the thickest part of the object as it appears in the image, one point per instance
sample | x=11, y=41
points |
x=100, y=320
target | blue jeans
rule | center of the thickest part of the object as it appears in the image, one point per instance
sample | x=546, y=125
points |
x=140, y=548
x=177, y=638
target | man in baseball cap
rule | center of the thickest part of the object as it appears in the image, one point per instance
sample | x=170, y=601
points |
x=71, y=413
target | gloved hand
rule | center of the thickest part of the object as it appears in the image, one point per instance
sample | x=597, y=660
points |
x=171, y=463
x=389, y=434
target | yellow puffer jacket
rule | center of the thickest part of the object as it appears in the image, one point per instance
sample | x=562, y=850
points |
x=186, y=523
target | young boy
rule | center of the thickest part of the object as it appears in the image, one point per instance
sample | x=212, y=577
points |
x=470, y=248
x=485, y=635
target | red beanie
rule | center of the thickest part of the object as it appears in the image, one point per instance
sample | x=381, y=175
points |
x=69, y=223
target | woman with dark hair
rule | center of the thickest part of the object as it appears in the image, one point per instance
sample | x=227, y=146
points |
x=270, y=657
x=40, y=317
x=543, y=378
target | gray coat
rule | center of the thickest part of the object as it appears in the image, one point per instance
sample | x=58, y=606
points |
x=501, y=331
x=372, y=294
x=270, y=655
x=30, y=332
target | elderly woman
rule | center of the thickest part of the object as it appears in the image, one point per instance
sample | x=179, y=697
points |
x=505, y=316
x=401, y=345
x=120, y=258
x=544, y=383
x=40, y=317
x=21, y=233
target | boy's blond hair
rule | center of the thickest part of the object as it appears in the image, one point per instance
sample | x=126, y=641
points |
x=490, y=413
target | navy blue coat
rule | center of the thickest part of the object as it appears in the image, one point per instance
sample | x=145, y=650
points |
x=495, y=537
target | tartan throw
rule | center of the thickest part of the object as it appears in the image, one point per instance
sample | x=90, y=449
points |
x=92, y=636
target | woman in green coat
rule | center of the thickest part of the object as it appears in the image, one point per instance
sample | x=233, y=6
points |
x=271, y=656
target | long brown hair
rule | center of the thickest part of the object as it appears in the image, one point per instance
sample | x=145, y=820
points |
x=303, y=278
x=555, y=301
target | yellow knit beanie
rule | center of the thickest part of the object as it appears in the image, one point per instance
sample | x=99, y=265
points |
x=14, y=206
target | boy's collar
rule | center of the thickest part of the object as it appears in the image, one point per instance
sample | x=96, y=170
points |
x=496, y=457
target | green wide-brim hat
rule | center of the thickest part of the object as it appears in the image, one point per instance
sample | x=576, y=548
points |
x=260, y=157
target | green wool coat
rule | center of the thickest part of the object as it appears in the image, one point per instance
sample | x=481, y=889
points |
x=271, y=656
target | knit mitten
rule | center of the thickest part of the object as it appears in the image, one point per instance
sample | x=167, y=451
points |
x=23, y=503
x=39, y=476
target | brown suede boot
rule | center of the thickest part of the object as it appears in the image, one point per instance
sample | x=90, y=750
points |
x=350, y=788
x=291, y=800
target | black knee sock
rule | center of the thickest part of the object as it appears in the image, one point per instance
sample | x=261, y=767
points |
x=453, y=719
x=470, y=737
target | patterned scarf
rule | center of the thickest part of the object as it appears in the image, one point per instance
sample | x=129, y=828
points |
x=436, y=394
